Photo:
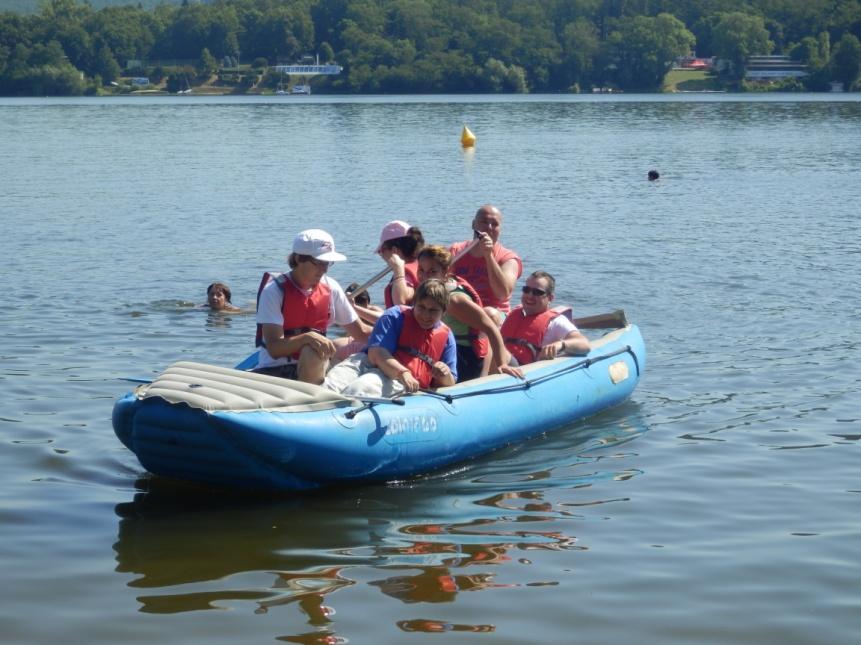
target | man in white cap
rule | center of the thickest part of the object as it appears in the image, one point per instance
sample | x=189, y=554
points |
x=294, y=309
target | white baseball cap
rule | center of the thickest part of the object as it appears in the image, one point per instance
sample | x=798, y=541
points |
x=318, y=244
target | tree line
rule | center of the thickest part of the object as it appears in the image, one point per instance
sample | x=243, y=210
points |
x=431, y=46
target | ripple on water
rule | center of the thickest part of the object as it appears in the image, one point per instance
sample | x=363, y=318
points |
x=733, y=516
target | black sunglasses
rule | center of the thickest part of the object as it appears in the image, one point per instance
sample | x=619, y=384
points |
x=320, y=263
x=535, y=292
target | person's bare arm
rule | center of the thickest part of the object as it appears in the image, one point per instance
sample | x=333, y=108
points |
x=402, y=293
x=502, y=278
x=463, y=308
x=278, y=346
x=575, y=343
x=383, y=360
x=359, y=330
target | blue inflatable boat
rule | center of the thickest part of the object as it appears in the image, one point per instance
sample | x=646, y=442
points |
x=236, y=429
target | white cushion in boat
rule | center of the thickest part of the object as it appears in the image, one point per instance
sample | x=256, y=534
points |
x=208, y=387
x=220, y=388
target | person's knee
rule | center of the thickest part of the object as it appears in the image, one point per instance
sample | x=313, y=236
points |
x=311, y=368
x=368, y=384
x=345, y=373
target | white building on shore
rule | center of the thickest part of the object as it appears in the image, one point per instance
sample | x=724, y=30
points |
x=767, y=68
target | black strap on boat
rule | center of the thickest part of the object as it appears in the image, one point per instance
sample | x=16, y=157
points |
x=527, y=384
x=371, y=401
x=519, y=385
x=634, y=356
x=448, y=398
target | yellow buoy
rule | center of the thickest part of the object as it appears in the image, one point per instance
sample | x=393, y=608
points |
x=467, y=138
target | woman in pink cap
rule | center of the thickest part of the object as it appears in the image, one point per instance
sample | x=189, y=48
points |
x=399, y=246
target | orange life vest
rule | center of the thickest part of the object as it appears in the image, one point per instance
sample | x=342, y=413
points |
x=301, y=313
x=474, y=269
x=418, y=349
x=523, y=334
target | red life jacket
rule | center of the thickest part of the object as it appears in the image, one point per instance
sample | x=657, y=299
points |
x=474, y=269
x=523, y=334
x=479, y=341
x=418, y=349
x=301, y=313
x=411, y=275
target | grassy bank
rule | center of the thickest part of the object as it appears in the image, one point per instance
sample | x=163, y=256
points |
x=691, y=80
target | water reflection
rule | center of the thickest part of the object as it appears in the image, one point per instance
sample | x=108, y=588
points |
x=424, y=625
x=420, y=543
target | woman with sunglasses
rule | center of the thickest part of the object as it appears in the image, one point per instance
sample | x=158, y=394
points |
x=399, y=246
x=533, y=331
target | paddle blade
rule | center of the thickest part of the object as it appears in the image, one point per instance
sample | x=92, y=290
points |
x=613, y=320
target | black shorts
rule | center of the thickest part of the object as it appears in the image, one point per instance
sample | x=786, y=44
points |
x=291, y=371
x=468, y=364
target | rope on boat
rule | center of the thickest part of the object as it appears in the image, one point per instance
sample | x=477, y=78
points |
x=371, y=401
x=520, y=385
x=527, y=384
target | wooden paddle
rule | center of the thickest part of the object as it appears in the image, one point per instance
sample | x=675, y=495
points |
x=381, y=274
x=613, y=320
x=364, y=287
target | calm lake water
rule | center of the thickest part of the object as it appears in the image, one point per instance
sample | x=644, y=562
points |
x=721, y=504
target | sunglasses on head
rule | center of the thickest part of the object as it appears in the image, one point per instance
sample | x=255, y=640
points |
x=535, y=292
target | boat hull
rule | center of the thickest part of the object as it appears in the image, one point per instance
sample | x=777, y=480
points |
x=277, y=450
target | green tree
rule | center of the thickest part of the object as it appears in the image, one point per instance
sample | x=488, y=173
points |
x=327, y=54
x=580, y=46
x=40, y=71
x=231, y=46
x=206, y=64
x=367, y=15
x=815, y=53
x=846, y=61
x=126, y=30
x=412, y=20
x=644, y=49
x=538, y=53
x=737, y=36
x=281, y=33
x=496, y=76
x=106, y=65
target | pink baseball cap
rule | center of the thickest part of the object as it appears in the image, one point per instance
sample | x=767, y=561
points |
x=318, y=244
x=392, y=231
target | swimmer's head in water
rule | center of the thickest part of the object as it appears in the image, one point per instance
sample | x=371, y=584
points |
x=218, y=295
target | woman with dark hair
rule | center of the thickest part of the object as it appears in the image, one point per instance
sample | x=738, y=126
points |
x=218, y=298
x=399, y=246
